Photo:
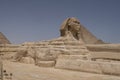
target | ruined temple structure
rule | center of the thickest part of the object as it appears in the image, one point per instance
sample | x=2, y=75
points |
x=76, y=49
x=3, y=39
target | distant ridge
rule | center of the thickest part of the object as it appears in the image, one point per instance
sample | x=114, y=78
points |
x=3, y=39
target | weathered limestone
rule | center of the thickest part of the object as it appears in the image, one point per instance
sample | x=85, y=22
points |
x=27, y=60
x=9, y=50
x=88, y=66
x=105, y=51
x=54, y=48
x=71, y=25
x=46, y=63
x=104, y=47
x=77, y=64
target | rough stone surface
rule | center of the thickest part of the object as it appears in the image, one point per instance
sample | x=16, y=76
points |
x=27, y=60
x=110, y=52
x=46, y=63
x=88, y=66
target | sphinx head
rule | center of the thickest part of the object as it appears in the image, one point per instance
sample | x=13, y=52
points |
x=71, y=25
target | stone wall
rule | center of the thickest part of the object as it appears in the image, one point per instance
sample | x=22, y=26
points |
x=105, y=51
x=9, y=50
x=88, y=66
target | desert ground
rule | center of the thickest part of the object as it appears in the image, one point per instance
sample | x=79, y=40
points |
x=23, y=71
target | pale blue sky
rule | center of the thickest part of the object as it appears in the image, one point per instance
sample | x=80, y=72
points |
x=35, y=20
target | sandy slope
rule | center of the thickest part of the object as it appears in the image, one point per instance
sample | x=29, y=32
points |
x=31, y=72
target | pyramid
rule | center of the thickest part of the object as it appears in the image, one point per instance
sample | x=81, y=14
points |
x=3, y=39
x=88, y=37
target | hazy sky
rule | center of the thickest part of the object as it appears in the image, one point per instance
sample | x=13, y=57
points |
x=35, y=20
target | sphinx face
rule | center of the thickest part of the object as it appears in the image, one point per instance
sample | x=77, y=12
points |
x=74, y=24
x=71, y=26
x=74, y=28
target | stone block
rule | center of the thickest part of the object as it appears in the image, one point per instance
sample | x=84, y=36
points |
x=46, y=63
x=27, y=60
x=78, y=65
x=89, y=66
